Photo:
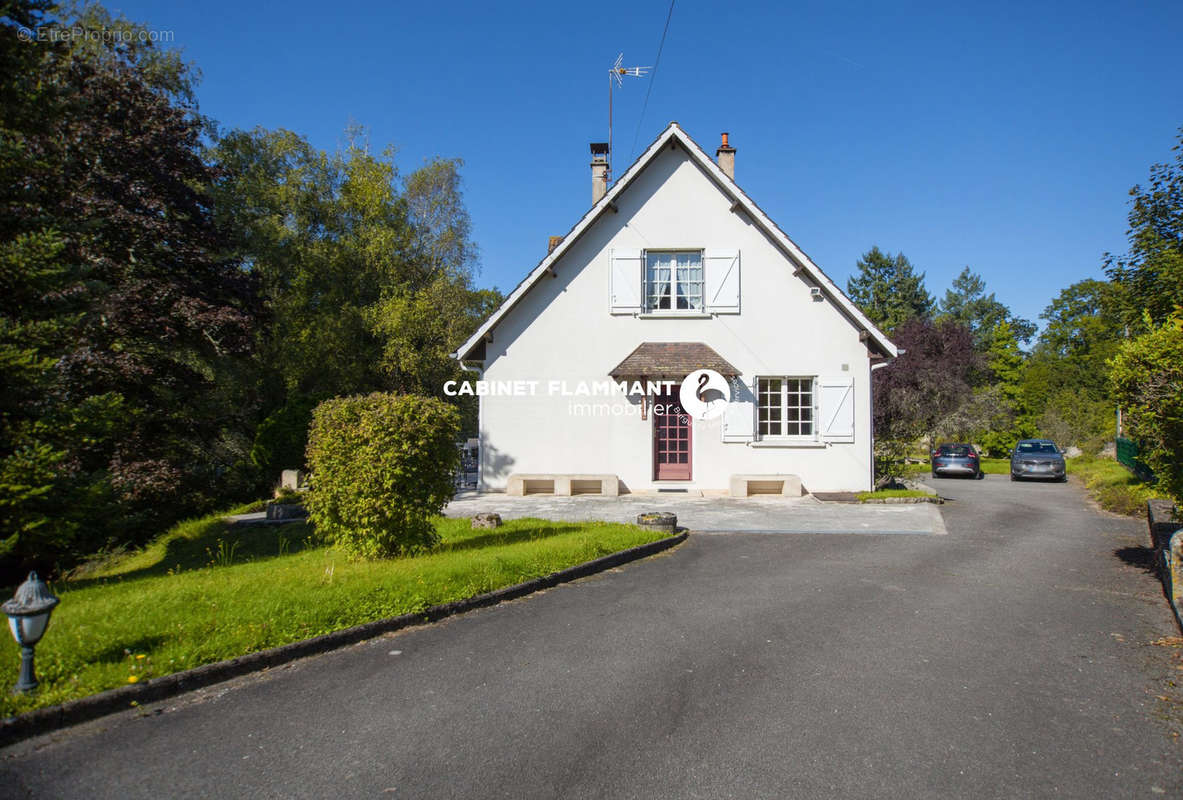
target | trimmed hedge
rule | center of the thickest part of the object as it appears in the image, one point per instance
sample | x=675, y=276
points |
x=382, y=467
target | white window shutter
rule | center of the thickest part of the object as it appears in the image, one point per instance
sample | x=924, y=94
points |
x=739, y=419
x=722, y=281
x=626, y=281
x=836, y=408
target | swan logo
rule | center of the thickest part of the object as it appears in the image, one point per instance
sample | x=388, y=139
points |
x=704, y=394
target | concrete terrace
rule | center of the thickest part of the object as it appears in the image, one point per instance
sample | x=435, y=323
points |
x=787, y=515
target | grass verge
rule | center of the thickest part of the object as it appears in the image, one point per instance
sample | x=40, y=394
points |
x=883, y=494
x=205, y=592
x=1113, y=486
x=990, y=466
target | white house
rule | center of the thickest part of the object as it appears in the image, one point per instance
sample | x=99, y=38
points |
x=675, y=269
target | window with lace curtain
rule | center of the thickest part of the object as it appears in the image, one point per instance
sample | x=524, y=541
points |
x=673, y=281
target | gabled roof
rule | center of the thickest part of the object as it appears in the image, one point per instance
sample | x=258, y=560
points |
x=671, y=360
x=741, y=200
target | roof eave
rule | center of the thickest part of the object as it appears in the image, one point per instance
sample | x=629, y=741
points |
x=729, y=185
x=569, y=239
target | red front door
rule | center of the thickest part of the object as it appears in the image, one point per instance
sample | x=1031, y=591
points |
x=672, y=433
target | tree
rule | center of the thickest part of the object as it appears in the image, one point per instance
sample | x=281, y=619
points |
x=888, y=290
x=119, y=317
x=968, y=304
x=423, y=323
x=1005, y=361
x=1065, y=384
x=442, y=230
x=1150, y=275
x=922, y=387
x=326, y=235
x=367, y=277
x=1147, y=381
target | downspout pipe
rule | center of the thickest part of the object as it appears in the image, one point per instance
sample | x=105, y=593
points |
x=871, y=396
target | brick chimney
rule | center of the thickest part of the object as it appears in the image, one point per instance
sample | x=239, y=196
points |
x=599, y=168
x=725, y=155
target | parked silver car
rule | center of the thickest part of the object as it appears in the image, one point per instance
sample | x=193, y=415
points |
x=1037, y=458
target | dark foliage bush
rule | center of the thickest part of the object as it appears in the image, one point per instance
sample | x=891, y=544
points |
x=281, y=438
x=382, y=467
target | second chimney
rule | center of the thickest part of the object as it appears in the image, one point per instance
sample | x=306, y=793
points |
x=725, y=155
x=599, y=168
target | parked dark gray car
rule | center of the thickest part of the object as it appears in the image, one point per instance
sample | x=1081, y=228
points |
x=1037, y=458
x=956, y=459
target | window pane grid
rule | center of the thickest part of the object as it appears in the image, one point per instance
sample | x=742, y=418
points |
x=673, y=281
x=785, y=406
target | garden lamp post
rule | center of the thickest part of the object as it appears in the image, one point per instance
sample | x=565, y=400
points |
x=28, y=617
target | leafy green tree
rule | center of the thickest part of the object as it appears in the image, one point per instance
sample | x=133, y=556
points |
x=367, y=277
x=1147, y=381
x=888, y=290
x=118, y=317
x=326, y=235
x=1066, y=379
x=967, y=303
x=441, y=227
x=1150, y=275
x=1005, y=361
x=422, y=322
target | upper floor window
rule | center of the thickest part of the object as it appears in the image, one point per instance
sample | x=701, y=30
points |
x=673, y=281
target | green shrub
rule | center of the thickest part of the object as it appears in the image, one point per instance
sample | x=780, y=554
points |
x=1147, y=383
x=286, y=497
x=382, y=467
x=281, y=438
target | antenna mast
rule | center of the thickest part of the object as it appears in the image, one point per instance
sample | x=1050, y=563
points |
x=616, y=76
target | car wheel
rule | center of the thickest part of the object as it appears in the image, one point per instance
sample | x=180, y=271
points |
x=979, y=476
x=1014, y=477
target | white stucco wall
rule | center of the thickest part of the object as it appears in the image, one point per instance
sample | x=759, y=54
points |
x=563, y=330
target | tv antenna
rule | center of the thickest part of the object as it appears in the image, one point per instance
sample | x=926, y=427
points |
x=616, y=77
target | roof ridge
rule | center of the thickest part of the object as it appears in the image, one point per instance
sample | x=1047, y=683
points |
x=727, y=183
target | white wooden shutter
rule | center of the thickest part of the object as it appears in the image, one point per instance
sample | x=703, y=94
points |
x=626, y=281
x=739, y=420
x=721, y=281
x=836, y=408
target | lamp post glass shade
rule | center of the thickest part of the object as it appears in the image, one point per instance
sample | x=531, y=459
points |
x=28, y=617
x=28, y=630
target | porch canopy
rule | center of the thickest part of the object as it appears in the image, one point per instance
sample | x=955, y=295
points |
x=670, y=361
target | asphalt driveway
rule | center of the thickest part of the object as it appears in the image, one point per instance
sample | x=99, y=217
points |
x=1010, y=658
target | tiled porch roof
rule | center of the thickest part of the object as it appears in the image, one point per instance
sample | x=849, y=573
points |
x=671, y=360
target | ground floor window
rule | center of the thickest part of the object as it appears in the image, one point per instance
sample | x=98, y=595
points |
x=785, y=406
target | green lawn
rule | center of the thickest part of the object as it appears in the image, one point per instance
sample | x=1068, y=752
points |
x=1113, y=486
x=990, y=466
x=205, y=592
x=883, y=494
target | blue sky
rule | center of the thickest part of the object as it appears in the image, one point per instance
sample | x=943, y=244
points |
x=1004, y=136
